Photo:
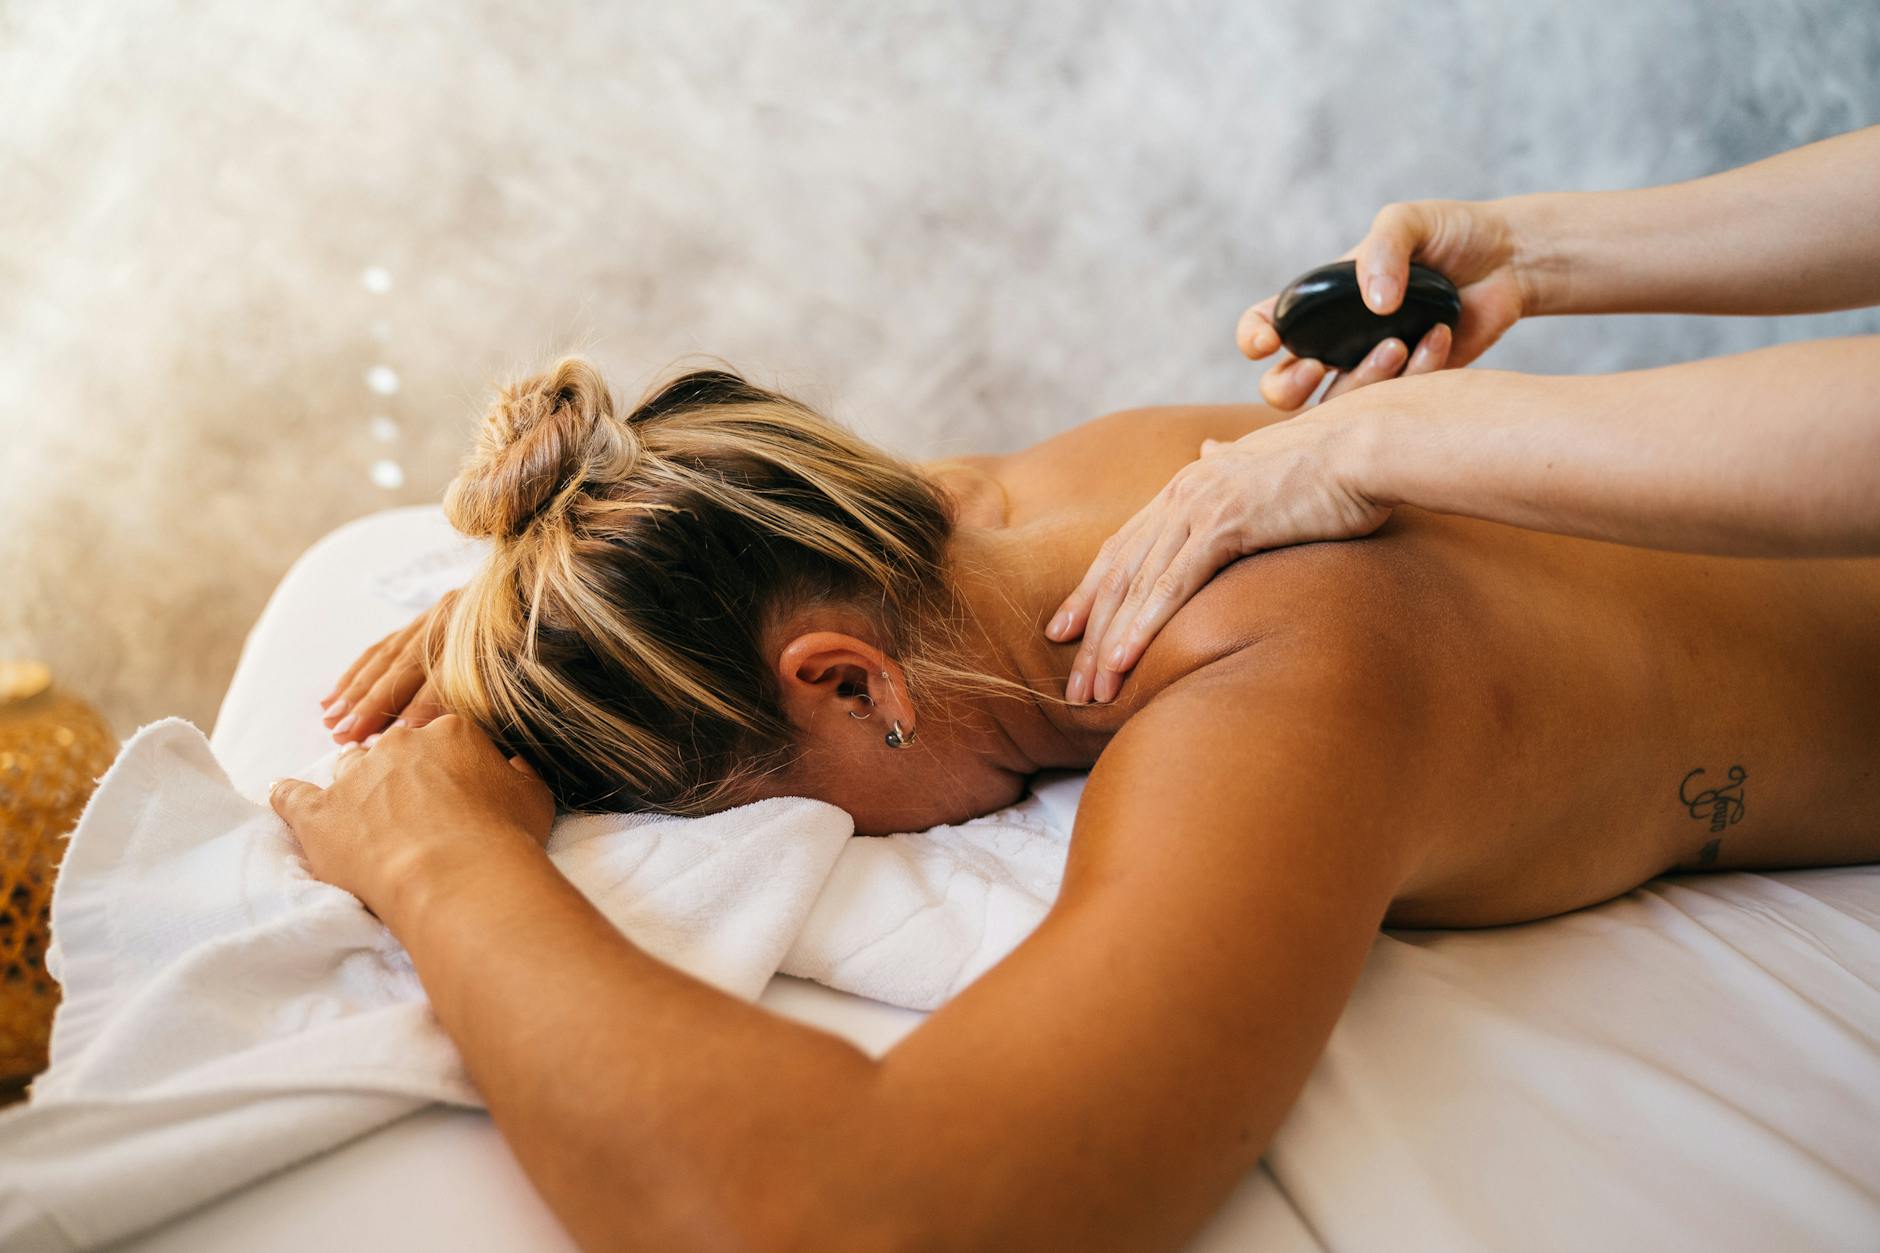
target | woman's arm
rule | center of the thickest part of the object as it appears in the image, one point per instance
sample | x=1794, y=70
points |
x=1103, y=1087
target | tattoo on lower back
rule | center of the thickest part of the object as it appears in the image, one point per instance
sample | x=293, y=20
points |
x=1720, y=805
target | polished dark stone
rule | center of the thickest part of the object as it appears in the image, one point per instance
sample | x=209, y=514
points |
x=1320, y=314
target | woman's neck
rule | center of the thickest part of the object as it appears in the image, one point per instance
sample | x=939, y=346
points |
x=1010, y=581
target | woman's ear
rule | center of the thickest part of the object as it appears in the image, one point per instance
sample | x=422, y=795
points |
x=827, y=673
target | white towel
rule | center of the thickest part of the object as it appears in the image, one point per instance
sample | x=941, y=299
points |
x=226, y=1015
x=912, y=919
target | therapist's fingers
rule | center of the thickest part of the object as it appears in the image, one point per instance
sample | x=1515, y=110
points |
x=1383, y=255
x=1291, y=383
x=1071, y=616
x=1432, y=353
x=1117, y=650
x=1384, y=361
x=1255, y=333
x=1192, y=565
x=1112, y=587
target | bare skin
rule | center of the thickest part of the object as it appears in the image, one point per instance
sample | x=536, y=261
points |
x=1529, y=657
x=1448, y=723
x=1766, y=453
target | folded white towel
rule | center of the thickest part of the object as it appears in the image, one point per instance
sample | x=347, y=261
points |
x=225, y=1014
x=912, y=919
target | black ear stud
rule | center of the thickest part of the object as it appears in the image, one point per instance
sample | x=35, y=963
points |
x=1321, y=314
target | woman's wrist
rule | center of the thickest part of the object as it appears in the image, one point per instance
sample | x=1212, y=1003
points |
x=423, y=875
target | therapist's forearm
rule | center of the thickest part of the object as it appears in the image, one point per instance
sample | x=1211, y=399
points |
x=1796, y=233
x=649, y=1109
x=1773, y=452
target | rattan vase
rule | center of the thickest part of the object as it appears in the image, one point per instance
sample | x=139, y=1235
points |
x=53, y=747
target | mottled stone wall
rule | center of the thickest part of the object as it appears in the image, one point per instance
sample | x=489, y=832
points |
x=957, y=226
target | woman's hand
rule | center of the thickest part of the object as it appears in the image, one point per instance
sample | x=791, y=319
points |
x=417, y=801
x=387, y=682
x=1478, y=246
x=1282, y=484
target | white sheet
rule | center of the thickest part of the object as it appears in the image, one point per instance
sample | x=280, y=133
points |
x=1694, y=1066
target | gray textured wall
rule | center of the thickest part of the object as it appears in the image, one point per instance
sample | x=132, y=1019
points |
x=957, y=226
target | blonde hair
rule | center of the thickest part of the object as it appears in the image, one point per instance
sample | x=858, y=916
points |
x=615, y=635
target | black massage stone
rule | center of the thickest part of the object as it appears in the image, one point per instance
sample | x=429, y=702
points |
x=1320, y=314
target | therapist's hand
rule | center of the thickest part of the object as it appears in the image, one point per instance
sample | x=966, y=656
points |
x=419, y=800
x=1282, y=484
x=1480, y=247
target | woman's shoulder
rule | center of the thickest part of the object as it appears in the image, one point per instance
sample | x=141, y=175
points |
x=1168, y=435
x=972, y=483
x=1122, y=457
x=1350, y=613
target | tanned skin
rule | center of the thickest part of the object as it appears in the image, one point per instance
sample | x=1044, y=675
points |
x=1449, y=723
x=1600, y=706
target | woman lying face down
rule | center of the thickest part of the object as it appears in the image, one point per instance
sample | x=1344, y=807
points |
x=720, y=596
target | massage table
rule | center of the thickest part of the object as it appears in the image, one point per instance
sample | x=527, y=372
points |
x=1674, y=1070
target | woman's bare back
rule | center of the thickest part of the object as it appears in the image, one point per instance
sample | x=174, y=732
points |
x=1597, y=714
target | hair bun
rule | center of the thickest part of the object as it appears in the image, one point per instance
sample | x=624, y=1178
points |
x=545, y=438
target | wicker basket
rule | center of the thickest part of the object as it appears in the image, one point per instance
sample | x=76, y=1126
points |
x=53, y=747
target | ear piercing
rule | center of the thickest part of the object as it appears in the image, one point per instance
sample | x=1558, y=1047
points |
x=897, y=738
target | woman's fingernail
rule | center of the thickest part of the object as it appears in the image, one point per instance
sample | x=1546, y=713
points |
x=1059, y=625
x=373, y=738
x=1076, y=687
x=1380, y=291
x=398, y=722
x=1107, y=683
x=351, y=746
x=1116, y=656
x=1388, y=355
x=345, y=724
x=337, y=708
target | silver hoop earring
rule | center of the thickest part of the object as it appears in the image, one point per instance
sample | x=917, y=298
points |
x=898, y=738
x=860, y=717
